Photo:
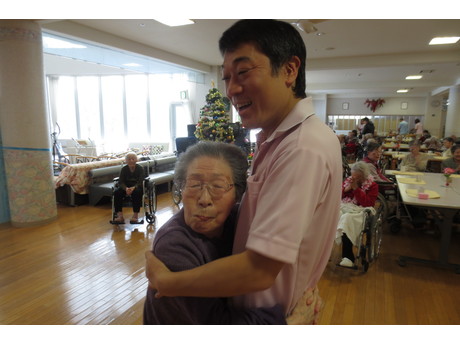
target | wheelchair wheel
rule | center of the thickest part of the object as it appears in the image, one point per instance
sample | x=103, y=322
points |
x=383, y=206
x=375, y=237
x=364, y=252
x=176, y=194
x=150, y=203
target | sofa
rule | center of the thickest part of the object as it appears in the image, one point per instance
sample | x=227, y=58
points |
x=160, y=169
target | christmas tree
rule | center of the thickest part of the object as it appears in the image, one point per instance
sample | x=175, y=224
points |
x=213, y=124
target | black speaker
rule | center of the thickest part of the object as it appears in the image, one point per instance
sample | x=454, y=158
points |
x=191, y=130
x=184, y=142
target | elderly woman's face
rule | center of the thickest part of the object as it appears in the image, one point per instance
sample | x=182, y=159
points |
x=131, y=160
x=414, y=149
x=447, y=144
x=375, y=155
x=208, y=195
x=358, y=177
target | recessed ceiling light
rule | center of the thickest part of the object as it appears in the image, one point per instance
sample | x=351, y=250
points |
x=175, y=21
x=414, y=77
x=444, y=40
x=402, y=91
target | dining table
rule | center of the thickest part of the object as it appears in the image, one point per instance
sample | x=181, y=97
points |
x=394, y=157
x=429, y=191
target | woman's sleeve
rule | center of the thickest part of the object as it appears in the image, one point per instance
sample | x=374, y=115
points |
x=367, y=199
x=122, y=179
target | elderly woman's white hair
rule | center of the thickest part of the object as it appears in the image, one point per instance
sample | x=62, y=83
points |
x=130, y=154
x=361, y=167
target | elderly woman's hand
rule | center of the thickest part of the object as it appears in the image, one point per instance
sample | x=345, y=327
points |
x=156, y=272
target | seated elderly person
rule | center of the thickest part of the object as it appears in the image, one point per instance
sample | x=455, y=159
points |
x=359, y=191
x=212, y=179
x=130, y=183
x=433, y=144
x=415, y=160
x=447, y=144
x=454, y=161
x=374, y=153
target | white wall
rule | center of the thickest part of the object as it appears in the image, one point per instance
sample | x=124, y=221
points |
x=415, y=106
x=429, y=107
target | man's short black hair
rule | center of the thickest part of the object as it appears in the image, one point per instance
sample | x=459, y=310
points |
x=278, y=40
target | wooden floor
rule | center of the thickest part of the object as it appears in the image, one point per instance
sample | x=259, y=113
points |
x=81, y=270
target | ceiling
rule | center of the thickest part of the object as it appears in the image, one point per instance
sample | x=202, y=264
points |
x=351, y=58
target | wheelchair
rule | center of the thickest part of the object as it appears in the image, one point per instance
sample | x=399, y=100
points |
x=369, y=239
x=149, y=202
x=176, y=194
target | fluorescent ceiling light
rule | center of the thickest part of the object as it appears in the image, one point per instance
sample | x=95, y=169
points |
x=132, y=64
x=413, y=77
x=54, y=43
x=444, y=40
x=402, y=91
x=175, y=21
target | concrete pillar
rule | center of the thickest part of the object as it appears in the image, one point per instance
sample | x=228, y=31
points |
x=453, y=112
x=24, y=124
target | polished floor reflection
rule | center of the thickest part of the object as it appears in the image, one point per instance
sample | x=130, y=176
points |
x=77, y=270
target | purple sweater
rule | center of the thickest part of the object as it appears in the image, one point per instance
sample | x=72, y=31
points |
x=181, y=248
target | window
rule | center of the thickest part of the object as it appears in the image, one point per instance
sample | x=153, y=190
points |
x=113, y=111
x=65, y=107
x=136, y=88
x=113, y=105
x=88, y=108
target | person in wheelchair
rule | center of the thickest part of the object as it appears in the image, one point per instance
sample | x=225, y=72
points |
x=374, y=153
x=359, y=191
x=130, y=183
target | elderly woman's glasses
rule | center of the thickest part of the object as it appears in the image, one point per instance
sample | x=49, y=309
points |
x=216, y=188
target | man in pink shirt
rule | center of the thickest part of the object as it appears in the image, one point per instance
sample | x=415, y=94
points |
x=289, y=213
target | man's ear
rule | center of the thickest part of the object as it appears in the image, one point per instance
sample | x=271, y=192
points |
x=291, y=71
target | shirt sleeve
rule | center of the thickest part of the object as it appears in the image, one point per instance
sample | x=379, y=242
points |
x=122, y=178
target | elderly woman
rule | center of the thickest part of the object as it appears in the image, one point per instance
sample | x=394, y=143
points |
x=454, y=161
x=433, y=144
x=130, y=183
x=374, y=153
x=415, y=160
x=212, y=179
x=359, y=191
x=447, y=144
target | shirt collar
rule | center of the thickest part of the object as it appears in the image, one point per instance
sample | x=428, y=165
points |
x=301, y=111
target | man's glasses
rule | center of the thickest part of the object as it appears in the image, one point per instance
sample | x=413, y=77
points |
x=216, y=188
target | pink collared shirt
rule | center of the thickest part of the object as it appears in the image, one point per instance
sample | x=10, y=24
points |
x=291, y=206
